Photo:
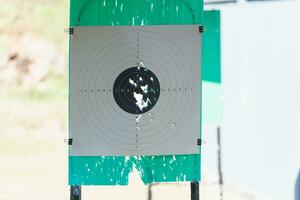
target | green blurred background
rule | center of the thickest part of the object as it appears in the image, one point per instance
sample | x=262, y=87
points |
x=33, y=99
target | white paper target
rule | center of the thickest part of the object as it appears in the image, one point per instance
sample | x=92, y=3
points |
x=135, y=90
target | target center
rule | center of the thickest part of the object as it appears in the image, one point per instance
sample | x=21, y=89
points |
x=136, y=90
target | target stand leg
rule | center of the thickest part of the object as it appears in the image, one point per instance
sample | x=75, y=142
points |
x=150, y=192
x=195, y=190
x=75, y=193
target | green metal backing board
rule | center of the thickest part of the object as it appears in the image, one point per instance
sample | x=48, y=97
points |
x=211, y=68
x=114, y=170
x=211, y=53
x=135, y=12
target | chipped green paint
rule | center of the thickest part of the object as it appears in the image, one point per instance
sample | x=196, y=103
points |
x=102, y=170
x=135, y=12
x=84, y=170
x=168, y=168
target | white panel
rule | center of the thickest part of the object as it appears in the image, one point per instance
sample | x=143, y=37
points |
x=260, y=77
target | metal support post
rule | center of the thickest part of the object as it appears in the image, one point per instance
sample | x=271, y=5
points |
x=75, y=193
x=195, y=191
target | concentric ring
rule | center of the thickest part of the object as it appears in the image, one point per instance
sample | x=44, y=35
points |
x=99, y=95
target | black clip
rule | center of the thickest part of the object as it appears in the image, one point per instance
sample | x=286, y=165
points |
x=199, y=142
x=201, y=29
x=69, y=30
x=70, y=141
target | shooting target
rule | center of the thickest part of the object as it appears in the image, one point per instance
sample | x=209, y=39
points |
x=135, y=90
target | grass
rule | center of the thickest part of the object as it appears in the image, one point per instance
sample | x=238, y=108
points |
x=33, y=117
x=54, y=88
x=46, y=18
